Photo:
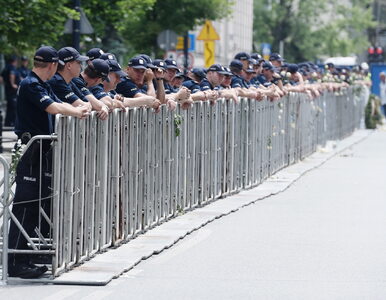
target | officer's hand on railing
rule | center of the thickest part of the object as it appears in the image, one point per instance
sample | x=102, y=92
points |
x=82, y=111
x=119, y=104
x=187, y=103
x=103, y=114
x=259, y=96
x=156, y=105
x=171, y=104
x=183, y=93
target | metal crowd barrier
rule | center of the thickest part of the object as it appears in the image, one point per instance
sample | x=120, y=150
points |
x=115, y=179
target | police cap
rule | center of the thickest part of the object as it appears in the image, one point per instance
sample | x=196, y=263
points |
x=94, y=53
x=100, y=67
x=159, y=63
x=149, y=61
x=275, y=57
x=217, y=68
x=236, y=64
x=68, y=54
x=267, y=66
x=171, y=64
x=242, y=56
x=199, y=72
x=137, y=62
x=116, y=67
x=46, y=54
x=107, y=55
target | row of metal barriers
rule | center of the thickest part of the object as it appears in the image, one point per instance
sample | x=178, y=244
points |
x=115, y=179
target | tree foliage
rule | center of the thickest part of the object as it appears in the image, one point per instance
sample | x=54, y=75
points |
x=177, y=15
x=121, y=26
x=311, y=29
x=27, y=24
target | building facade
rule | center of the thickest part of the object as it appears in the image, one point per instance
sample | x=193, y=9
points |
x=235, y=35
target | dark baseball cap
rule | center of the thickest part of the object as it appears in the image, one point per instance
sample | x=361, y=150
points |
x=138, y=62
x=217, y=68
x=94, y=53
x=46, y=54
x=68, y=54
x=179, y=75
x=100, y=67
x=250, y=69
x=149, y=61
x=107, y=55
x=242, y=56
x=116, y=67
x=228, y=71
x=199, y=72
x=159, y=63
x=275, y=57
x=292, y=68
x=268, y=66
x=257, y=56
x=23, y=58
x=237, y=64
x=171, y=64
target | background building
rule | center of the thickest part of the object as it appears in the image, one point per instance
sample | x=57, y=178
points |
x=235, y=34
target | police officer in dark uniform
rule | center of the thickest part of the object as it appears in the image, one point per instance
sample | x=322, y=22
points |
x=23, y=69
x=194, y=78
x=11, y=80
x=36, y=105
x=69, y=67
x=105, y=91
x=171, y=71
x=214, y=77
x=238, y=81
x=129, y=85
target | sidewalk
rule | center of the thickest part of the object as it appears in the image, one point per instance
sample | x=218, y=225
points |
x=322, y=238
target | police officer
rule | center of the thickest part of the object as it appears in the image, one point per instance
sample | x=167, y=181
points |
x=105, y=91
x=36, y=105
x=194, y=78
x=129, y=85
x=11, y=80
x=239, y=83
x=69, y=67
x=211, y=85
x=96, y=71
x=23, y=69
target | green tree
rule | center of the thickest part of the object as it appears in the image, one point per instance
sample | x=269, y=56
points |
x=177, y=15
x=28, y=24
x=311, y=29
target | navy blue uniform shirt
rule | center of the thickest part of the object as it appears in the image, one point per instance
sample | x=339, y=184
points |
x=62, y=89
x=192, y=85
x=23, y=72
x=205, y=85
x=169, y=88
x=238, y=81
x=81, y=84
x=98, y=91
x=33, y=97
x=127, y=88
x=7, y=71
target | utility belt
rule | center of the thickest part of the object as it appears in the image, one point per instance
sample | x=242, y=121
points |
x=32, y=155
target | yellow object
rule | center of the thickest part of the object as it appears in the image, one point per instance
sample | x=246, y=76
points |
x=209, y=53
x=180, y=43
x=208, y=33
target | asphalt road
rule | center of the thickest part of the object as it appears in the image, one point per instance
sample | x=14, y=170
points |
x=323, y=238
